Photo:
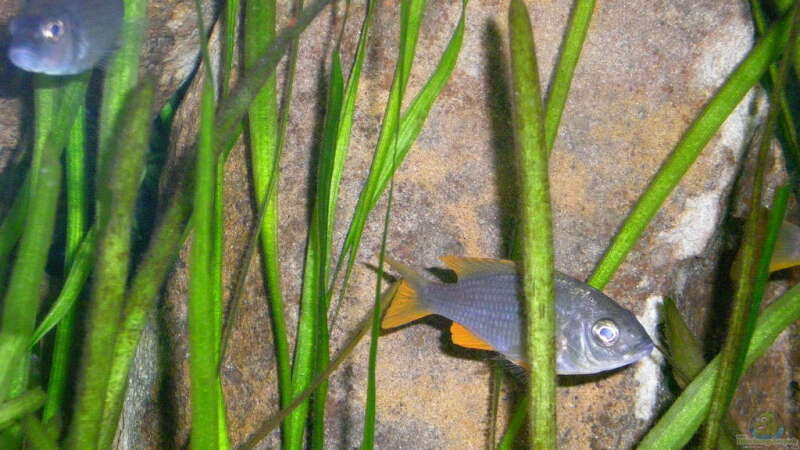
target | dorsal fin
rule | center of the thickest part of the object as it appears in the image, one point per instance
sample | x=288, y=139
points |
x=465, y=338
x=465, y=267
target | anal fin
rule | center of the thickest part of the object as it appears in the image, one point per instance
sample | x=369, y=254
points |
x=465, y=338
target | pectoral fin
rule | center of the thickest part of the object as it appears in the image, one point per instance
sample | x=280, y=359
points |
x=465, y=338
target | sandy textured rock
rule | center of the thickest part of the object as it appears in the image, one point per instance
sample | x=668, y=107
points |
x=646, y=71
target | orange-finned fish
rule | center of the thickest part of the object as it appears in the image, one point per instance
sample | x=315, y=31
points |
x=787, y=248
x=593, y=333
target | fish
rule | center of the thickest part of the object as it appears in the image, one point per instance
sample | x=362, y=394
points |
x=593, y=333
x=64, y=37
x=787, y=248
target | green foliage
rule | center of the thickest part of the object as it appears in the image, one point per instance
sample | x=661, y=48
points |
x=265, y=139
x=19, y=406
x=537, y=227
x=736, y=341
x=116, y=200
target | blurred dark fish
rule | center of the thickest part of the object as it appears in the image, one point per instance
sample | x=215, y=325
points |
x=64, y=37
x=593, y=333
x=787, y=248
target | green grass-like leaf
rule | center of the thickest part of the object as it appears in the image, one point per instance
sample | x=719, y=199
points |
x=77, y=211
x=514, y=425
x=139, y=302
x=78, y=274
x=370, y=407
x=230, y=19
x=775, y=218
x=121, y=76
x=205, y=317
x=312, y=324
x=788, y=129
x=320, y=236
x=537, y=227
x=265, y=142
x=202, y=303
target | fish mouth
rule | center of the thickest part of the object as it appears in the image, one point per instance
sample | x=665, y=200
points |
x=645, y=348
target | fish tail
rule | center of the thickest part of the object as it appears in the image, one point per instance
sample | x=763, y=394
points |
x=407, y=304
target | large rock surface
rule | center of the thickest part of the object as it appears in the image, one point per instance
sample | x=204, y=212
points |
x=646, y=71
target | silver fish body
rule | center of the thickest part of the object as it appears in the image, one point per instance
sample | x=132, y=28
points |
x=593, y=334
x=64, y=37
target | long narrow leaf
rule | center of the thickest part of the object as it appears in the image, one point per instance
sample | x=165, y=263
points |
x=370, y=407
x=121, y=75
x=514, y=425
x=73, y=286
x=537, y=235
x=312, y=324
x=208, y=421
x=263, y=124
x=77, y=211
x=687, y=362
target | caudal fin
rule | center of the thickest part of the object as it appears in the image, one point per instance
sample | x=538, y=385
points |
x=406, y=305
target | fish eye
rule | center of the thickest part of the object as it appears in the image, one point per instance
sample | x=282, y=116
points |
x=606, y=332
x=53, y=30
